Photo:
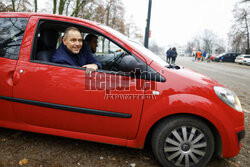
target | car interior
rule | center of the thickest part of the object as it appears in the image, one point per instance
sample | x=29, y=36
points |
x=112, y=57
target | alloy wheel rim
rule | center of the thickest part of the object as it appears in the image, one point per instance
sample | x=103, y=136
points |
x=185, y=146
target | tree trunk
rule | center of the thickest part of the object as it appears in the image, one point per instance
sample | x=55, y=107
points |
x=67, y=8
x=54, y=6
x=13, y=5
x=35, y=2
x=78, y=6
x=61, y=6
x=245, y=17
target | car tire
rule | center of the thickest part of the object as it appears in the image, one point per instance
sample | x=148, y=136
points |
x=183, y=141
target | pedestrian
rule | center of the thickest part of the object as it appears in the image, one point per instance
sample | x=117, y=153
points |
x=173, y=55
x=168, y=53
x=198, y=54
x=208, y=58
x=194, y=56
x=204, y=54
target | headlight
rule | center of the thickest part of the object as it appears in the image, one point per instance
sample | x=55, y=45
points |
x=229, y=97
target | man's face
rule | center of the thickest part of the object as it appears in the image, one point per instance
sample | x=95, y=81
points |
x=93, y=44
x=73, y=41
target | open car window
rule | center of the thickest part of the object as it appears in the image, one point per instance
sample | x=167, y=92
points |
x=111, y=56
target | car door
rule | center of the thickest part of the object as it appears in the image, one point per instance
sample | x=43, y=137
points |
x=234, y=55
x=12, y=31
x=60, y=97
x=226, y=57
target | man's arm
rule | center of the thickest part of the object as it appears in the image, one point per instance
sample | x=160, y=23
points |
x=92, y=60
x=86, y=50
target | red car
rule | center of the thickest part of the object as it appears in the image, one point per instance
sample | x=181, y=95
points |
x=186, y=116
x=212, y=57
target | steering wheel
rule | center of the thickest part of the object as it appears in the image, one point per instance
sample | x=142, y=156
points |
x=112, y=65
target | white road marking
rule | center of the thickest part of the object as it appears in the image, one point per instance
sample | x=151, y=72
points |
x=246, y=111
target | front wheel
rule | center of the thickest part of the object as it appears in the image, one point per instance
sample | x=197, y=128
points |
x=183, y=141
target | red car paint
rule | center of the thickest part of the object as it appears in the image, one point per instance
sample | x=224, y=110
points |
x=212, y=57
x=183, y=92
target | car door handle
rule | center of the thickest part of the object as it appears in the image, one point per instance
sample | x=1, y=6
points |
x=16, y=77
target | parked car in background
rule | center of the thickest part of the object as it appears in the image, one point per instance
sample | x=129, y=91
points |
x=246, y=60
x=226, y=57
x=134, y=97
x=239, y=59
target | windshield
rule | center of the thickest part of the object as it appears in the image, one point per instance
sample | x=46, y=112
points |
x=137, y=45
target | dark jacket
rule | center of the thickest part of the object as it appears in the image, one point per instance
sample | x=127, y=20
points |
x=169, y=53
x=65, y=56
x=174, y=53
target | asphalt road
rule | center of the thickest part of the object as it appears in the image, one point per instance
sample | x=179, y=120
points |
x=40, y=150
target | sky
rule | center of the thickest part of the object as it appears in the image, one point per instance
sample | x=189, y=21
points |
x=178, y=21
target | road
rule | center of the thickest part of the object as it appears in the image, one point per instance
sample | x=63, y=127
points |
x=51, y=151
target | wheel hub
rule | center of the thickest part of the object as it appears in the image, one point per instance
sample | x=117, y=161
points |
x=185, y=147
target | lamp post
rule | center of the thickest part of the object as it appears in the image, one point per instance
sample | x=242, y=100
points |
x=148, y=24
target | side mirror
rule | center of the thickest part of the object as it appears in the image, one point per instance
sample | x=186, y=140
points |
x=129, y=64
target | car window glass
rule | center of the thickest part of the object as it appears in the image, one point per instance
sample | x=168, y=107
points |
x=11, y=35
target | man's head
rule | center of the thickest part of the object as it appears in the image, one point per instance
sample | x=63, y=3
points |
x=72, y=39
x=92, y=41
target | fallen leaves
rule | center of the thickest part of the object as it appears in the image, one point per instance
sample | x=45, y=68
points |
x=4, y=139
x=23, y=162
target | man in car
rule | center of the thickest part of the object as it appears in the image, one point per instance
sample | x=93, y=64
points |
x=70, y=52
x=90, y=44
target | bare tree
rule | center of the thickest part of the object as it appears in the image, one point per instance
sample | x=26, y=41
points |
x=61, y=6
x=54, y=6
x=20, y=5
x=239, y=33
x=13, y=5
x=35, y=3
x=208, y=40
x=4, y=7
x=189, y=48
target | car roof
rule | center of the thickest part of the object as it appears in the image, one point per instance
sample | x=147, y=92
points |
x=25, y=14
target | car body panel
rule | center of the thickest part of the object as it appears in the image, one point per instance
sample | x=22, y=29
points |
x=50, y=84
x=194, y=101
x=242, y=59
x=7, y=69
x=246, y=60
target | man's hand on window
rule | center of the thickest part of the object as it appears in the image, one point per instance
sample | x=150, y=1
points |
x=90, y=68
